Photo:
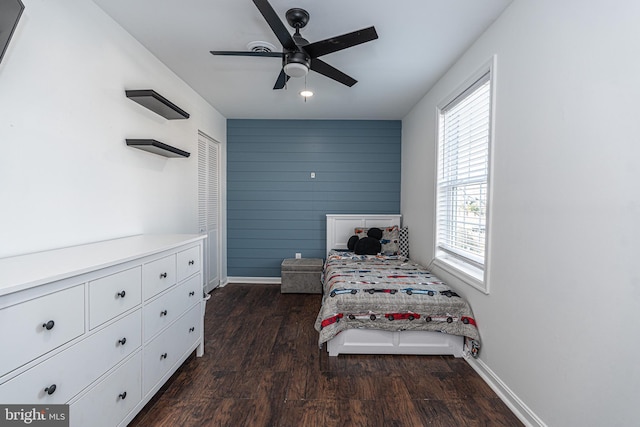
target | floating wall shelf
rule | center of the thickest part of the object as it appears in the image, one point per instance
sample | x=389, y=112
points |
x=157, y=103
x=157, y=147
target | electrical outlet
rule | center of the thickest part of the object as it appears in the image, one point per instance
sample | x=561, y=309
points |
x=298, y=255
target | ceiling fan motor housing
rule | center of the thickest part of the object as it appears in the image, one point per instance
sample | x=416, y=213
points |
x=296, y=64
x=298, y=58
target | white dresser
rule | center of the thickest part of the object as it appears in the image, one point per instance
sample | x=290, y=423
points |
x=100, y=326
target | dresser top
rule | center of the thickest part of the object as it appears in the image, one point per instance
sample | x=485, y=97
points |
x=26, y=271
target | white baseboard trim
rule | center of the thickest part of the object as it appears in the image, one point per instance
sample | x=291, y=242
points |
x=255, y=280
x=517, y=406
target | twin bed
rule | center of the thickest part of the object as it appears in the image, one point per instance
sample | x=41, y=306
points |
x=386, y=303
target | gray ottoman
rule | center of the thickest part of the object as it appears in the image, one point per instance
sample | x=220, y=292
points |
x=301, y=276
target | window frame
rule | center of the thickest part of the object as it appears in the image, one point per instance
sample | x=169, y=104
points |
x=468, y=270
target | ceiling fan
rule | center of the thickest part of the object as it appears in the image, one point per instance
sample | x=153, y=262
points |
x=298, y=55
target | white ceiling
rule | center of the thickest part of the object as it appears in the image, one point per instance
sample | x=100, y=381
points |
x=418, y=41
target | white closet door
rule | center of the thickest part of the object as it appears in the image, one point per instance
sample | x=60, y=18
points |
x=209, y=206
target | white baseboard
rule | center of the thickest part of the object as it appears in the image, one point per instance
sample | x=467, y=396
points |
x=517, y=406
x=255, y=280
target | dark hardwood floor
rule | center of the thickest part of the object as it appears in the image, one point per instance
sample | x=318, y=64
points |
x=262, y=367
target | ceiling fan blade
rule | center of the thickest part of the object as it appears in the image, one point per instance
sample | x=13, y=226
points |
x=325, y=69
x=283, y=78
x=246, y=53
x=344, y=41
x=276, y=24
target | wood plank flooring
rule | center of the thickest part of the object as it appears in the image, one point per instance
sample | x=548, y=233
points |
x=262, y=367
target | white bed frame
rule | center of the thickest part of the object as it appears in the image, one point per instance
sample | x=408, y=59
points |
x=373, y=341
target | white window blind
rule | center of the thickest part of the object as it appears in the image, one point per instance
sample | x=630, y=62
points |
x=463, y=168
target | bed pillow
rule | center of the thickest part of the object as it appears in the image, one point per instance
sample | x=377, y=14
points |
x=390, y=238
x=403, y=242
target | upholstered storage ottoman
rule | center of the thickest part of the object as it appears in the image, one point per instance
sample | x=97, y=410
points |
x=301, y=276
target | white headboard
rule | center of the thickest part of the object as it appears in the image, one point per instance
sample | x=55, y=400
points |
x=340, y=227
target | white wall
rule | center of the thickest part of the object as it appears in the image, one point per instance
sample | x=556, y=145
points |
x=66, y=175
x=559, y=327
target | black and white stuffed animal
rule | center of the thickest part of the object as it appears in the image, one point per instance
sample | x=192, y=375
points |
x=369, y=245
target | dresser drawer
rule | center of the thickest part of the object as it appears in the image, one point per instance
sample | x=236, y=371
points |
x=75, y=368
x=113, y=295
x=188, y=262
x=164, y=310
x=35, y=327
x=108, y=403
x=165, y=350
x=158, y=276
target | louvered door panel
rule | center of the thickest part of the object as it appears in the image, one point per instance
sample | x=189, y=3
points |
x=209, y=206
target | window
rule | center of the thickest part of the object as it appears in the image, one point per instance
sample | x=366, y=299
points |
x=464, y=135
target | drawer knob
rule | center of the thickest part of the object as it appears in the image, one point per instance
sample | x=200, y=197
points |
x=163, y=313
x=48, y=326
x=123, y=395
x=163, y=356
x=191, y=329
x=123, y=341
x=121, y=294
x=191, y=262
x=51, y=389
x=163, y=275
x=192, y=293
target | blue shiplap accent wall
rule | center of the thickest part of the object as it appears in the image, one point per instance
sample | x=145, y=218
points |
x=274, y=207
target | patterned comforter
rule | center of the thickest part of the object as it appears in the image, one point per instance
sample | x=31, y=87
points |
x=390, y=293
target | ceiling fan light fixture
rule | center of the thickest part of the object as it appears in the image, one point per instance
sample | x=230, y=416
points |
x=294, y=69
x=306, y=93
